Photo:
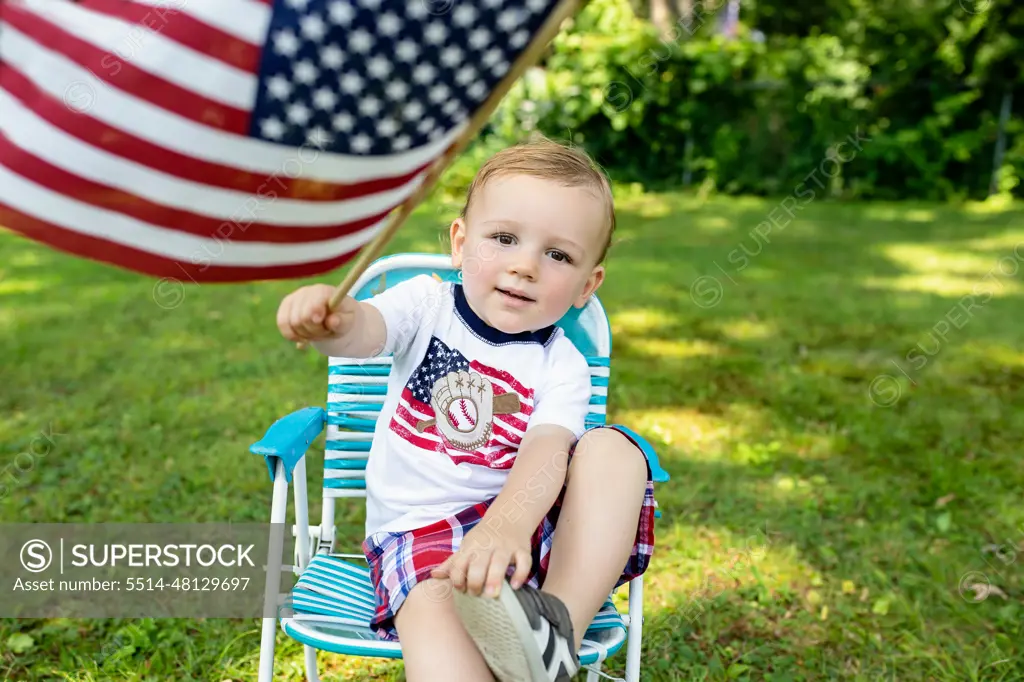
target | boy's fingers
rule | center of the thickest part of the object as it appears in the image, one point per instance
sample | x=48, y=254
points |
x=523, y=561
x=284, y=322
x=476, y=572
x=457, y=571
x=295, y=319
x=284, y=312
x=313, y=314
x=312, y=317
x=304, y=315
x=302, y=321
x=496, y=573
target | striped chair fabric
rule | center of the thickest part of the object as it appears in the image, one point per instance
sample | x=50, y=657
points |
x=333, y=603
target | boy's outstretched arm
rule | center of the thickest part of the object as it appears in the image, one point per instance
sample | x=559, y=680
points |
x=502, y=537
x=355, y=329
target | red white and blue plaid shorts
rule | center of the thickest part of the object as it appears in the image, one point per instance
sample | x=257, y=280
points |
x=398, y=561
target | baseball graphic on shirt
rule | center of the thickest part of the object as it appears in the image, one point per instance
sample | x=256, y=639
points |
x=462, y=414
x=464, y=404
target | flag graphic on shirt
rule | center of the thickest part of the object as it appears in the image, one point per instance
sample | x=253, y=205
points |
x=459, y=404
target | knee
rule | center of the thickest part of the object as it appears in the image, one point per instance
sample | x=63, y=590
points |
x=423, y=603
x=430, y=591
x=611, y=451
x=426, y=595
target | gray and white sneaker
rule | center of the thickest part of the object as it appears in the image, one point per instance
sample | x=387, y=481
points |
x=525, y=635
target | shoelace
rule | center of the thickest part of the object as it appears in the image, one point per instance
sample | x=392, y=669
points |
x=601, y=673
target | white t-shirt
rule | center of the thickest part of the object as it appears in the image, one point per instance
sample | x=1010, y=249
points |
x=461, y=395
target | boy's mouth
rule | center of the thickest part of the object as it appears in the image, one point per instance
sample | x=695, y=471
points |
x=518, y=295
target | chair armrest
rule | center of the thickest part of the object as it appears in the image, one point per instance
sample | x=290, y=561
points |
x=289, y=437
x=658, y=475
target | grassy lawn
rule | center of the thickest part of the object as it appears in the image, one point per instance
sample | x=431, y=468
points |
x=842, y=427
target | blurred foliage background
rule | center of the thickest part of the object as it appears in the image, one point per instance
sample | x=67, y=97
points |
x=756, y=96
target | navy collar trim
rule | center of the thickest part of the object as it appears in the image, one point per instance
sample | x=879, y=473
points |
x=486, y=332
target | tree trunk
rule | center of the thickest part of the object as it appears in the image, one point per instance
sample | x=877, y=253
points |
x=664, y=13
x=674, y=19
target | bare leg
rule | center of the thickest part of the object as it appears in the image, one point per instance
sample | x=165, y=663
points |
x=435, y=644
x=597, y=523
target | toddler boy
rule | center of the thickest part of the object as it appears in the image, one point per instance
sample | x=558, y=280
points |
x=497, y=524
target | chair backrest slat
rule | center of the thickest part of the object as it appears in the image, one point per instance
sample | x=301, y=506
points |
x=357, y=387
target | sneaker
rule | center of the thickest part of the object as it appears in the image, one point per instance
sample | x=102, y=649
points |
x=525, y=635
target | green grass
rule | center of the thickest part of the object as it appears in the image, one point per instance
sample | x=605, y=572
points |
x=810, y=532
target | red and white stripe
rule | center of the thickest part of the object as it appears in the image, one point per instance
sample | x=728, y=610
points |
x=506, y=433
x=122, y=139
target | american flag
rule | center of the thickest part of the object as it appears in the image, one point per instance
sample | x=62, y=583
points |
x=235, y=140
x=414, y=406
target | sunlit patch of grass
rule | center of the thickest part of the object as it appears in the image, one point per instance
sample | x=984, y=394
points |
x=688, y=430
x=714, y=224
x=720, y=560
x=989, y=268
x=637, y=322
x=748, y=329
x=937, y=259
x=1008, y=243
x=675, y=349
x=995, y=205
x=948, y=285
x=20, y=286
x=997, y=355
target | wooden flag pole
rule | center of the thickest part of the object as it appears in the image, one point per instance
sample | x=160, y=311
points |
x=528, y=58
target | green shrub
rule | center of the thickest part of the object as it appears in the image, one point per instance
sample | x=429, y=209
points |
x=771, y=116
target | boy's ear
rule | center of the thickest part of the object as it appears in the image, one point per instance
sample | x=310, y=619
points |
x=592, y=285
x=457, y=234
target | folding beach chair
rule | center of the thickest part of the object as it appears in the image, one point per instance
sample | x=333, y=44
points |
x=331, y=604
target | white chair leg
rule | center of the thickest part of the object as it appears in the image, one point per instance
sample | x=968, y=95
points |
x=278, y=509
x=636, y=626
x=302, y=541
x=592, y=675
x=311, y=671
x=301, y=514
x=327, y=518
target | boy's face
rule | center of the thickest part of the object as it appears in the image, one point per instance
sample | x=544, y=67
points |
x=528, y=250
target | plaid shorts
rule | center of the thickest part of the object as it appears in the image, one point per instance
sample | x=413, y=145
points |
x=400, y=560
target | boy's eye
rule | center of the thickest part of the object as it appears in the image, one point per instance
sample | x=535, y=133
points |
x=560, y=256
x=505, y=239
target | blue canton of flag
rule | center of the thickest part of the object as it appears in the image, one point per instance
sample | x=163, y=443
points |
x=372, y=77
x=439, y=361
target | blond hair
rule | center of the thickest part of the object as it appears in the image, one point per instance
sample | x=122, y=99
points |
x=549, y=160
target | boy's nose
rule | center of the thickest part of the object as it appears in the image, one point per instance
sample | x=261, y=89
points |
x=524, y=266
